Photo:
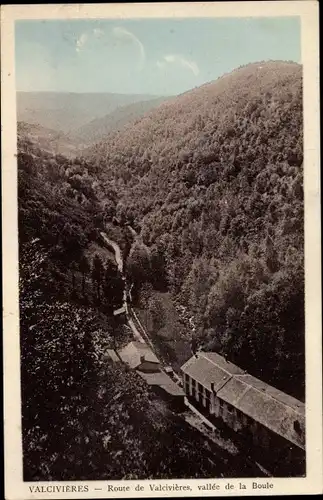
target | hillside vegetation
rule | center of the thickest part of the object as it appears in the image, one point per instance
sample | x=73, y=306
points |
x=214, y=179
x=49, y=140
x=97, y=129
x=84, y=418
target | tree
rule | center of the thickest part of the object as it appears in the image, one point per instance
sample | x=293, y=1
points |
x=73, y=267
x=158, y=267
x=84, y=267
x=97, y=277
x=113, y=287
x=138, y=264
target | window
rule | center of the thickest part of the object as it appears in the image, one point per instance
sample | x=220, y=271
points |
x=229, y=409
x=186, y=383
x=297, y=427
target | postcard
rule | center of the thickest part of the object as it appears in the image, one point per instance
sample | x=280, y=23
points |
x=161, y=250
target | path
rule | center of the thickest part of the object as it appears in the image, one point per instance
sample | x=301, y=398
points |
x=124, y=309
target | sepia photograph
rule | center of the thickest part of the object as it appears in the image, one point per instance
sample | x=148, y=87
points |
x=161, y=251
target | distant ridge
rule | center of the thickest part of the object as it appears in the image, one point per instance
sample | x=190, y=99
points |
x=66, y=112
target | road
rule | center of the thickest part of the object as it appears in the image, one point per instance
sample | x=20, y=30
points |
x=125, y=308
x=116, y=249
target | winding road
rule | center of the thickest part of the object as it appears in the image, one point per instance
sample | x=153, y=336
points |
x=125, y=308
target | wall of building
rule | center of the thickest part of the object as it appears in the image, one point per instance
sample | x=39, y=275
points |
x=175, y=402
x=148, y=367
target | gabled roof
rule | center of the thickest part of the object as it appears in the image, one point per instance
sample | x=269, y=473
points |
x=272, y=413
x=209, y=368
x=284, y=398
x=131, y=354
x=163, y=381
x=220, y=361
x=265, y=404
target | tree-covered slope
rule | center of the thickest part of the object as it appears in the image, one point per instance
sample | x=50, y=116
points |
x=214, y=179
x=59, y=199
x=48, y=140
x=97, y=129
x=84, y=418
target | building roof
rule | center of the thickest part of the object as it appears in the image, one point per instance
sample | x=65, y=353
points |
x=220, y=361
x=113, y=355
x=132, y=353
x=273, y=414
x=209, y=368
x=284, y=398
x=263, y=403
x=232, y=391
x=164, y=381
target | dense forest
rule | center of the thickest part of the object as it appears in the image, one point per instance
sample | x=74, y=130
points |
x=204, y=194
x=84, y=418
x=214, y=182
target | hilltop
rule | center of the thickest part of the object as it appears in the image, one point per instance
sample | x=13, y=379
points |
x=214, y=179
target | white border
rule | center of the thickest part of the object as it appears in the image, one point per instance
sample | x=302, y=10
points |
x=16, y=489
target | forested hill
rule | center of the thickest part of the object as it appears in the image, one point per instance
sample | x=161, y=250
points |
x=215, y=180
x=97, y=129
x=88, y=418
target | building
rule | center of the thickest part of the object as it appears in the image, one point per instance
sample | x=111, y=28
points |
x=166, y=388
x=267, y=422
x=141, y=358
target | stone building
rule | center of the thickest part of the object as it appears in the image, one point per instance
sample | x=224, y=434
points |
x=267, y=422
x=140, y=357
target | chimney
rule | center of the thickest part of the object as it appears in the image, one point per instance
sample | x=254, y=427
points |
x=212, y=387
x=142, y=358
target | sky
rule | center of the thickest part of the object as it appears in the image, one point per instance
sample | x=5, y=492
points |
x=145, y=56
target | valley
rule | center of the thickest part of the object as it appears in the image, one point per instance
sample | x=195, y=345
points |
x=183, y=213
x=67, y=123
